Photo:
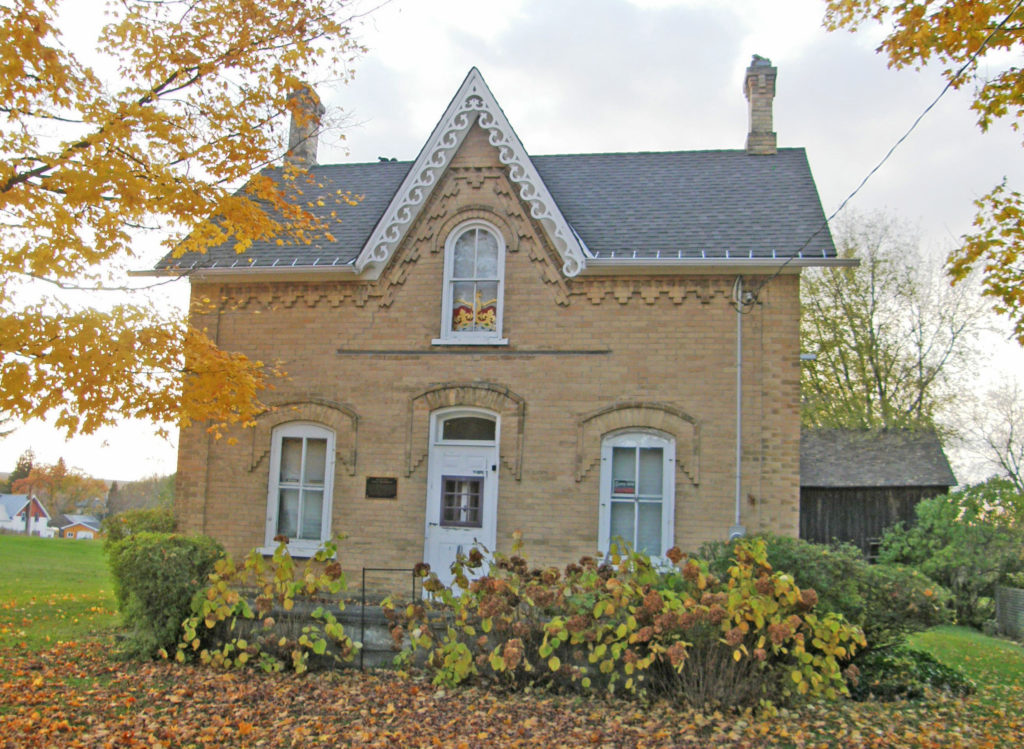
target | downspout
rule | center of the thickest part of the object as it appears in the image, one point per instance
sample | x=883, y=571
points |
x=741, y=299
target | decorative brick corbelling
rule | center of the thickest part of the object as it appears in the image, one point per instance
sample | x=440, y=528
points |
x=663, y=417
x=342, y=419
x=491, y=396
x=648, y=290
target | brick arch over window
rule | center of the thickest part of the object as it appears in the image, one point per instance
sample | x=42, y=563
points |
x=488, y=395
x=592, y=427
x=475, y=213
x=338, y=417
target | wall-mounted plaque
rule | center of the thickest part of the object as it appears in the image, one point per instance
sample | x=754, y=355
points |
x=381, y=487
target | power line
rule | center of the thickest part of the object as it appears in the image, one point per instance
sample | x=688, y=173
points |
x=949, y=84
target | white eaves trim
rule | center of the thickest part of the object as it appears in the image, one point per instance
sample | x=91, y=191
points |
x=609, y=267
x=473, y=103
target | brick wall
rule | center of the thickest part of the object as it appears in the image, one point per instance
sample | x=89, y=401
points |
x=661, y=347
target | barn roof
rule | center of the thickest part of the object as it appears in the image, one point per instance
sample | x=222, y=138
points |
x=840, y=458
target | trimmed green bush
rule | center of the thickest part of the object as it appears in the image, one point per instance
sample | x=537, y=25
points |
x=155, y=577
x=904, y=673
x=123, y=524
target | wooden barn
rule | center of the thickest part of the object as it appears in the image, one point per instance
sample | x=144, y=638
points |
x=855, y=484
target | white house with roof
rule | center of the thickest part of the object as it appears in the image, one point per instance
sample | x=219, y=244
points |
x=13, y=511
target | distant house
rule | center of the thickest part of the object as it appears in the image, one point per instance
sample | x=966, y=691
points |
x=855, y=484
x=78, y=526
x=13, y=510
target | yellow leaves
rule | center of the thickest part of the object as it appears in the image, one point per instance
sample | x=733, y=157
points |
x=88, y=161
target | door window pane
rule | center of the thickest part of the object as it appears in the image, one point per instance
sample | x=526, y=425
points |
x=461, y=501
x=468, y=428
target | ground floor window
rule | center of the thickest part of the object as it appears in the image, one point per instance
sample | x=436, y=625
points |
x=638, y=491
x=299, y=494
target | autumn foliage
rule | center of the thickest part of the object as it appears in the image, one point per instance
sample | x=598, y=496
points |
x=244, y=615
x=622, y=626
x=95, y=168
x=62, y=489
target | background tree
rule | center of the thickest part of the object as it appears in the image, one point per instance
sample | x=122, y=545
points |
x=152, y=491
x=21, y=470
x=64, y=490
x=91, y=166
x=890, y=336
x=996, y=432
x=954, y=32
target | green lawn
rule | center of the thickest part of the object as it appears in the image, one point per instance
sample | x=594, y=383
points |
x=53, y=590
x=57, y=678
x=995, y=665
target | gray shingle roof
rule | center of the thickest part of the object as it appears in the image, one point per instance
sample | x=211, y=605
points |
x=833, y=458
x=684, y=204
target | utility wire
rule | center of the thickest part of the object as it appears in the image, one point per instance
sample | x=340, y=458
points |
x=949, y=84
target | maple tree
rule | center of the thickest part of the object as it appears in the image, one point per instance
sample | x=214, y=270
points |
x=94, y=167
x=956, y=33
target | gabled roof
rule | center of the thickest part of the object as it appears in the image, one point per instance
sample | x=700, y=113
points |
x=12, y=504
x=710, y=208
x=90, y=521
x=839, y=458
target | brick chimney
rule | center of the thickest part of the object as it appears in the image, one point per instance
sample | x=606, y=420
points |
x=759, y=88
x=304, y=130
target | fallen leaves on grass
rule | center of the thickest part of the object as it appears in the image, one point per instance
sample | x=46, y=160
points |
x=74, y=696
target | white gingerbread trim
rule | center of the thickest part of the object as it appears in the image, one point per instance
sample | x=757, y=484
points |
x=474, y=102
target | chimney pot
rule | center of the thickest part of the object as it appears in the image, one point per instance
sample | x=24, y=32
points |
x=304, y=130
x=759, y=88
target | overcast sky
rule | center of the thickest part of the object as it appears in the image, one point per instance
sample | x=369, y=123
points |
x=578, y=76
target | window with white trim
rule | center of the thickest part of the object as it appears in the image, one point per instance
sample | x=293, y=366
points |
x=638, y=491
x=474, y=280
x=299, y=493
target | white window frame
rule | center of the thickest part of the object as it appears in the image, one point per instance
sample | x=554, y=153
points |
x=301, y=429
x=639, y=438
x=473, y=337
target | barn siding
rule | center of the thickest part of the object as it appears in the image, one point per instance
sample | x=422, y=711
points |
x=858, y=515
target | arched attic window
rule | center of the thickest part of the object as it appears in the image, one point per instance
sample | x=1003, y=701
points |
x=474, y=281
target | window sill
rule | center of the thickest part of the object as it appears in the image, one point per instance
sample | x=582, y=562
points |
x=296, y=551
x=470, y=342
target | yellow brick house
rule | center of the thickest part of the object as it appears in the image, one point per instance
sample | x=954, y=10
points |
x=579, y=347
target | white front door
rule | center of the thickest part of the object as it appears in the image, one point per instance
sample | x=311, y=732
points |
x=462, y=495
